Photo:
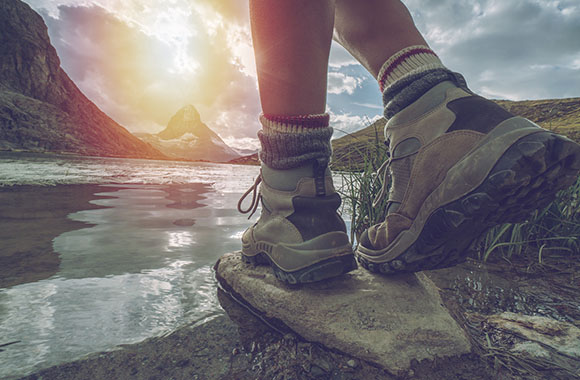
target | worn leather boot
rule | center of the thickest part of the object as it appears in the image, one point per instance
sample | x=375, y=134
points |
x=299, y=232
x=458, y=165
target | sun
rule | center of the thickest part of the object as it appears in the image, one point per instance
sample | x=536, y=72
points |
x=173, y=27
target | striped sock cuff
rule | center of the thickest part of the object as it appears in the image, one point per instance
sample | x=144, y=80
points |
x=291, y=141
x=293, y=123
x=408, y=61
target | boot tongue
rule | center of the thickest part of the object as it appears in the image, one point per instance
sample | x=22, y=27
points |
x=393, y=207
x=402, y=159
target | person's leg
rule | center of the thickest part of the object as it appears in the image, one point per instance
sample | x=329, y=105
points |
x=299, y=233
x=291, y=43
x=459, y=163
x=374, y=30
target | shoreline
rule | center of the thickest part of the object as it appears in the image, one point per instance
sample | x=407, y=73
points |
x=79, y=155
x=237, y=345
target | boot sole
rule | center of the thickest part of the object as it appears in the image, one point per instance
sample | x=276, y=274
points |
x=338, y=261
x=525, y=178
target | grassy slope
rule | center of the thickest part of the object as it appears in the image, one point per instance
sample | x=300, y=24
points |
x=561, y=115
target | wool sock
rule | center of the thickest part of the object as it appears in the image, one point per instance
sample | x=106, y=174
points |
x=409, y=73
x=290, y=142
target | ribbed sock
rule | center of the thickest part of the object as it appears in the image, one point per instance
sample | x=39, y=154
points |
x=408, y=74
x=292, y=141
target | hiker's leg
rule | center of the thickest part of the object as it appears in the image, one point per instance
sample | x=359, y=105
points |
x=299, y=233
x=291, y=44
x=374, y=30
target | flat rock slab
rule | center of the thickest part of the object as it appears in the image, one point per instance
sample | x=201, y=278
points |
x=389, y=321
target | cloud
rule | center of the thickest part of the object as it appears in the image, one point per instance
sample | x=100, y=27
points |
x=339, y=83
x=340, y=57
x=345, y=123
x=369, y=105
x=499, y=45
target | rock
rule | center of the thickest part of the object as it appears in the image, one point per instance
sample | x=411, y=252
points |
x=352, y=363
x=385, y=320
x=563, y=337
x=532, y=349
x=41, y=109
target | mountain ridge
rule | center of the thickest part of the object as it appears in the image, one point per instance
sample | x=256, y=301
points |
x=41, y=108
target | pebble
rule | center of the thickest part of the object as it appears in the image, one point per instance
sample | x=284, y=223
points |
x=323, y=365
x=352, y=363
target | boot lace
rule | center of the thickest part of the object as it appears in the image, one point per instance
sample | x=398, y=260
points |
x=254, y=189
x=384, y=173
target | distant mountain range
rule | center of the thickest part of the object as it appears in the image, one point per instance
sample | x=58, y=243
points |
x=187, y=137
x=41, y=109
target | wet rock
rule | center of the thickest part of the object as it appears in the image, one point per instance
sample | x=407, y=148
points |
x=532, y=349
x=563, y=337
x=317, y=371
x=386, y=320
x=184, y=222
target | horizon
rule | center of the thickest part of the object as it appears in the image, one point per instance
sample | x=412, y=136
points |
x=141, y=63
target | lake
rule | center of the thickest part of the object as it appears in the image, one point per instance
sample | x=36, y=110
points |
x=99, y=252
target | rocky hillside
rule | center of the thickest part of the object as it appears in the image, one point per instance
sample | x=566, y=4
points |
x=187, y=137
x=560, y=115
x=41, y=109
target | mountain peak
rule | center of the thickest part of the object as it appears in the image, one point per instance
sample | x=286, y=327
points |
x=186, y=120
x=190, y=113
x=186, y=136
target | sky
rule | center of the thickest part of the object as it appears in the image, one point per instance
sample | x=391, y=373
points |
x=140, y=61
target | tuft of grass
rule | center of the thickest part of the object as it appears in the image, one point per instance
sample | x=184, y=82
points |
x=360, y=185
x=553, y=231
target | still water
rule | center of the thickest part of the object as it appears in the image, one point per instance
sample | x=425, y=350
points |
x=141, y=266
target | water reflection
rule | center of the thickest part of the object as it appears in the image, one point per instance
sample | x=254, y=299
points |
x=179, y=240
x=134, y=272
x=57, y=320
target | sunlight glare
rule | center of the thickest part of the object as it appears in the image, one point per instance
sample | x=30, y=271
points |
x=179, y=239
x=173, y=26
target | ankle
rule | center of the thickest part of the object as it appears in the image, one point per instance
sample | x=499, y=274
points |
x=412, y=60
x=290, y=142
x=409, y=74
x=287, y=179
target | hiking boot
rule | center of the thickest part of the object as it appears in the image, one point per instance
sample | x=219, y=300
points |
x=458, y=165
x=299, y=232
